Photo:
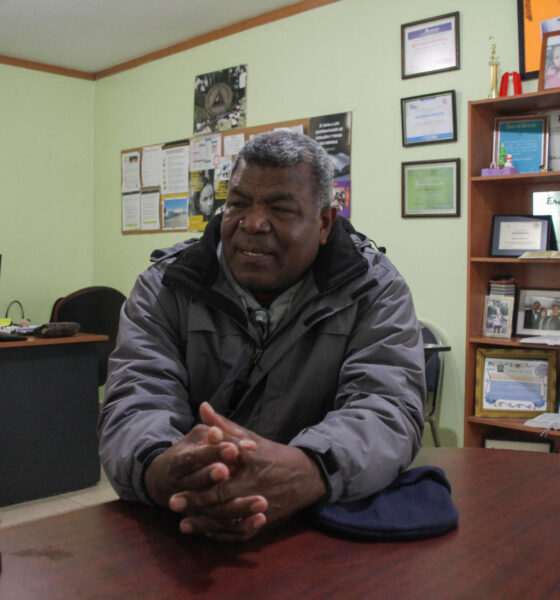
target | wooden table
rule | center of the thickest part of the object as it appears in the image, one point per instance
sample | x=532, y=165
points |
x=49, y=407
x=506, y=547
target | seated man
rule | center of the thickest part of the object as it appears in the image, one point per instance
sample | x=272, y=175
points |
x=275, y=362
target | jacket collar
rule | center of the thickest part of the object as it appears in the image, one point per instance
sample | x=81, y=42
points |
x=196, y=268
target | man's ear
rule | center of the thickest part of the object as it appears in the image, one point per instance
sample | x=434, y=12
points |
x=327, y=219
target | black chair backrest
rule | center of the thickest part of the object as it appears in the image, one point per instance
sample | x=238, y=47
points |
x=97, y=310
x=433, y=368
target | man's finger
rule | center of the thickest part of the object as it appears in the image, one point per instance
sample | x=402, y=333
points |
x=224, y=531
x=211, y=418
x=232, y=510
x=193, y=458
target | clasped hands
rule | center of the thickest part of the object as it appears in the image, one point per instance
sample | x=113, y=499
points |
x=228, y=482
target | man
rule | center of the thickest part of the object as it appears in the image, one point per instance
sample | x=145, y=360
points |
x=533, y=316
x=553, y=322
x=273, y=363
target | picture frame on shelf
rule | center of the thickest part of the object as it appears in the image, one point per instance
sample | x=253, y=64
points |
x=549, y=69
x=548, y=203
x=431, y=188
x=514, y=382
x=430, y=46
x=499, y=443
x=429, y=119
x=512, y=235
x=534, y=19
x=538, y=313
x=525, y=138
x=498, y=316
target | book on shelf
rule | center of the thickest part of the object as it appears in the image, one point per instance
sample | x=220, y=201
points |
x=502, y=286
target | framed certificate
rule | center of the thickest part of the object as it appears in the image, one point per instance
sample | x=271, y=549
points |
x=428, y=119
x=431, y=188
x=512, y=235
x=525, y=138
x=430, y=45
x=514, y=382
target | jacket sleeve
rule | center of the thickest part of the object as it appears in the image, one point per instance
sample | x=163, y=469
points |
x=376, y=428
x=144, y=412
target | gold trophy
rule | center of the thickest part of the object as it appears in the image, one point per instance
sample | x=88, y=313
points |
x=494, y=63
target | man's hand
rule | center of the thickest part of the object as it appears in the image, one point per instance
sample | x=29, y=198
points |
x=268, y=484
x=197, y=461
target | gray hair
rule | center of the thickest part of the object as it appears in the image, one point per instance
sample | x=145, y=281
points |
x=285, y=148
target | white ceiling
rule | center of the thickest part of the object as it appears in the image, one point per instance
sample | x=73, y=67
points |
x=93, y=35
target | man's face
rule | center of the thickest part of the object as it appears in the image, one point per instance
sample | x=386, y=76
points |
x=271, y=231
x=536, y=306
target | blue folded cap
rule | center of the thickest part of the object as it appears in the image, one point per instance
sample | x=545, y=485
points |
x=416, y=505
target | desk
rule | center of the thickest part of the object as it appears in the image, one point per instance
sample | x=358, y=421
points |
x=506, y=547
x=48, y=415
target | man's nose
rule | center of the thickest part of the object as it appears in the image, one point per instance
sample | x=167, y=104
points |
x=255, y=220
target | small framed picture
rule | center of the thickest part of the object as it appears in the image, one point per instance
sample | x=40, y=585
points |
x=525, y=139
x=512, y=235
x=431, y=188
x=430, y=45
x=514, y=382
x=498, y=316
x=428, y=119
x=534, y=19
x=538, y=313
x=549, y=70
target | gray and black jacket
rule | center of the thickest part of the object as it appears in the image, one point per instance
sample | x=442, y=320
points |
x=341, y=377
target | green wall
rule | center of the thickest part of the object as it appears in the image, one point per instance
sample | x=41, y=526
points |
x=46, y=195
x=343, y=56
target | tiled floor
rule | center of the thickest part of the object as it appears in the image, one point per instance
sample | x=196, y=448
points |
x=45, y=507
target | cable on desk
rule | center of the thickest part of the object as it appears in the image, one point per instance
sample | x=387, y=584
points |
x=20, y=307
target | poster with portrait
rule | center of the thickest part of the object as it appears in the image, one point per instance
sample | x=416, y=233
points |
x=535, y=18
x=220, y=100
x=201, y=198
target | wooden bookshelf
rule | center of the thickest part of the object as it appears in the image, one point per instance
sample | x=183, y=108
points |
x=500, y=195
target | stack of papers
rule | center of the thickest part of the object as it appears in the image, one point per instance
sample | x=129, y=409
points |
x=541, y=254
x=545, y=421
x=541, y=339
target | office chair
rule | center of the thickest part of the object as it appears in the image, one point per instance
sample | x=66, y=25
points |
x=97, y=310
x=434, y=378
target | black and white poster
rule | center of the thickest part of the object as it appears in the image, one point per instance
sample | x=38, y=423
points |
x=220, y=100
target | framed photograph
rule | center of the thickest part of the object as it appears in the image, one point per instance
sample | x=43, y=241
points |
x=428, y=119
x=430, y=45
x=534, y=19
x=538, y=313
x=512, y=235
x=514, y=382
x=525, y=138
x=431, y=188
x=548, y=203
x=498, y=316
x=549, y=69
x=508, y=444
